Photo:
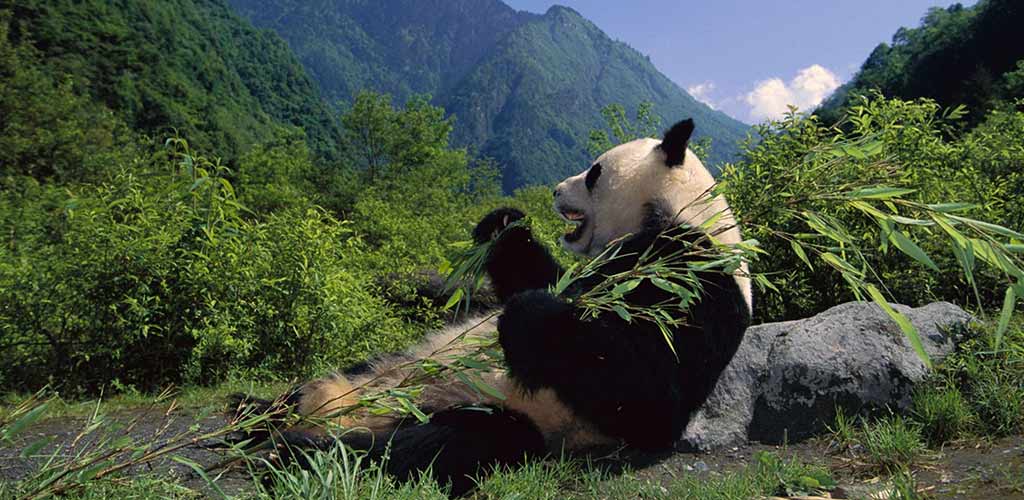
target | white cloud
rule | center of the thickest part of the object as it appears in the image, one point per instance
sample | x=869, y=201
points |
x=702, y=92
x=809, y=87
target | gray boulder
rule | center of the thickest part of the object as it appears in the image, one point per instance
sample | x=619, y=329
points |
x=788, y=378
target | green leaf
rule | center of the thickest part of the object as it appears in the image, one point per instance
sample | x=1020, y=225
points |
x=870, y=210
x=623, y=313
x=486, y=388
x=26, y=420
x=798, y=249
x=840, y=263
x=411, y=408
x=626, y=287
x=995, y=228
x=474, y=364
x=908, y=328
x=91, y=472
x=30, y=450
x=878, y=193
x=951, y=207
x=565, y=280
x=454, y=299
x=907, y=246
x=1009, y=303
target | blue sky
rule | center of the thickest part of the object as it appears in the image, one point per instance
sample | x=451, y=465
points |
x=749, y=58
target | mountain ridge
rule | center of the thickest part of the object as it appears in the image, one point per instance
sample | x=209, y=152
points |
x=526, y=89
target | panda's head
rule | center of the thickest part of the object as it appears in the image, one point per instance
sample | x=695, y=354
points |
x=629, y=183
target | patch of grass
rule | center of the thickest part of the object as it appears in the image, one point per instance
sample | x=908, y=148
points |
x=136, y=488
x=537, y=479
x=943, y=413
x=338, y=474
x=844, y=429
x=999, y=404
x=904, y=487
x=893, y=443
x=991, y=381
x=768, y=475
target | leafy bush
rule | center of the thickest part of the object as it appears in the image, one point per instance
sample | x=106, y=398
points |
x=831, y=191
x=155, y=278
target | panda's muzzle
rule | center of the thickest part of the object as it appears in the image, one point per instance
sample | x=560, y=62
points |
x=575, y=217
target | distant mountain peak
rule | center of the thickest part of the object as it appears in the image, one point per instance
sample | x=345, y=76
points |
x=562, y=10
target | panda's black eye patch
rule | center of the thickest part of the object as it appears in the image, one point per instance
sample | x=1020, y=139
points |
x=592, y=176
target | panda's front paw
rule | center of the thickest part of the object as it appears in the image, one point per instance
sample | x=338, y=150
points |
x=494, y=223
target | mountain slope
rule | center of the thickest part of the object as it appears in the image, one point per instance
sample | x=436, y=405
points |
x=399, y=47
x=534, y=100
x=959, y=55
x=526, y=89
x=188, y=65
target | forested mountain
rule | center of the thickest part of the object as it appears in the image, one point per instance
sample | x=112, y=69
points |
x=526, y=89
x=959, y=55
x=193, y=66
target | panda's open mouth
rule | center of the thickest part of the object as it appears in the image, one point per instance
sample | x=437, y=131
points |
x=578, y=219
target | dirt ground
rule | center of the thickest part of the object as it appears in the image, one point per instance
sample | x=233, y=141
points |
x=966, y=470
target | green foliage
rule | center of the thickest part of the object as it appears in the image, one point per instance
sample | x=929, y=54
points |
x=184, y=65
x=959, y=55
x=872, y=202
x=156, y=278
x=47, y=130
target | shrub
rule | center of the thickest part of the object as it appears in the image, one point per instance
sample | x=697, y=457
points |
x=798, y=166
x=155, y=278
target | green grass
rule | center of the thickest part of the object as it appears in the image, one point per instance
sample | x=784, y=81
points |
x=943, y=413
x=893, y=443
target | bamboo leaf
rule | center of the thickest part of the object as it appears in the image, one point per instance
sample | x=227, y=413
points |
x=798, y=249
x=565, y=280
x=907, y=246
x=1009, y=303
x=474, y=364
x=951, y=207
x=626, y=287
x=623, y=313
x=26, y=420
x=879, y=193
x=995, y=228
x=840, y=263
x=37, y=445
x=908, y=328
x=487, y=388
x=870, y=210
x=411, y=408
x=454, y=299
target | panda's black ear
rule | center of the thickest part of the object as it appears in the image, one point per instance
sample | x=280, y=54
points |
x=675, y=142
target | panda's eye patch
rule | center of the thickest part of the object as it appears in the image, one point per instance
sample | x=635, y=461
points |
x=592, y=176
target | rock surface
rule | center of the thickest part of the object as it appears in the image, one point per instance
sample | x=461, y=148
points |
x=787, y=379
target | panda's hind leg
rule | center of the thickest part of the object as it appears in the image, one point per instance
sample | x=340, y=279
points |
x=319, y=403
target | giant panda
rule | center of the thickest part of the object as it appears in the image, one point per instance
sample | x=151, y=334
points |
x=570, y=384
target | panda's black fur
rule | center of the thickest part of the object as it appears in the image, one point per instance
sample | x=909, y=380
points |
x=618, y=379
